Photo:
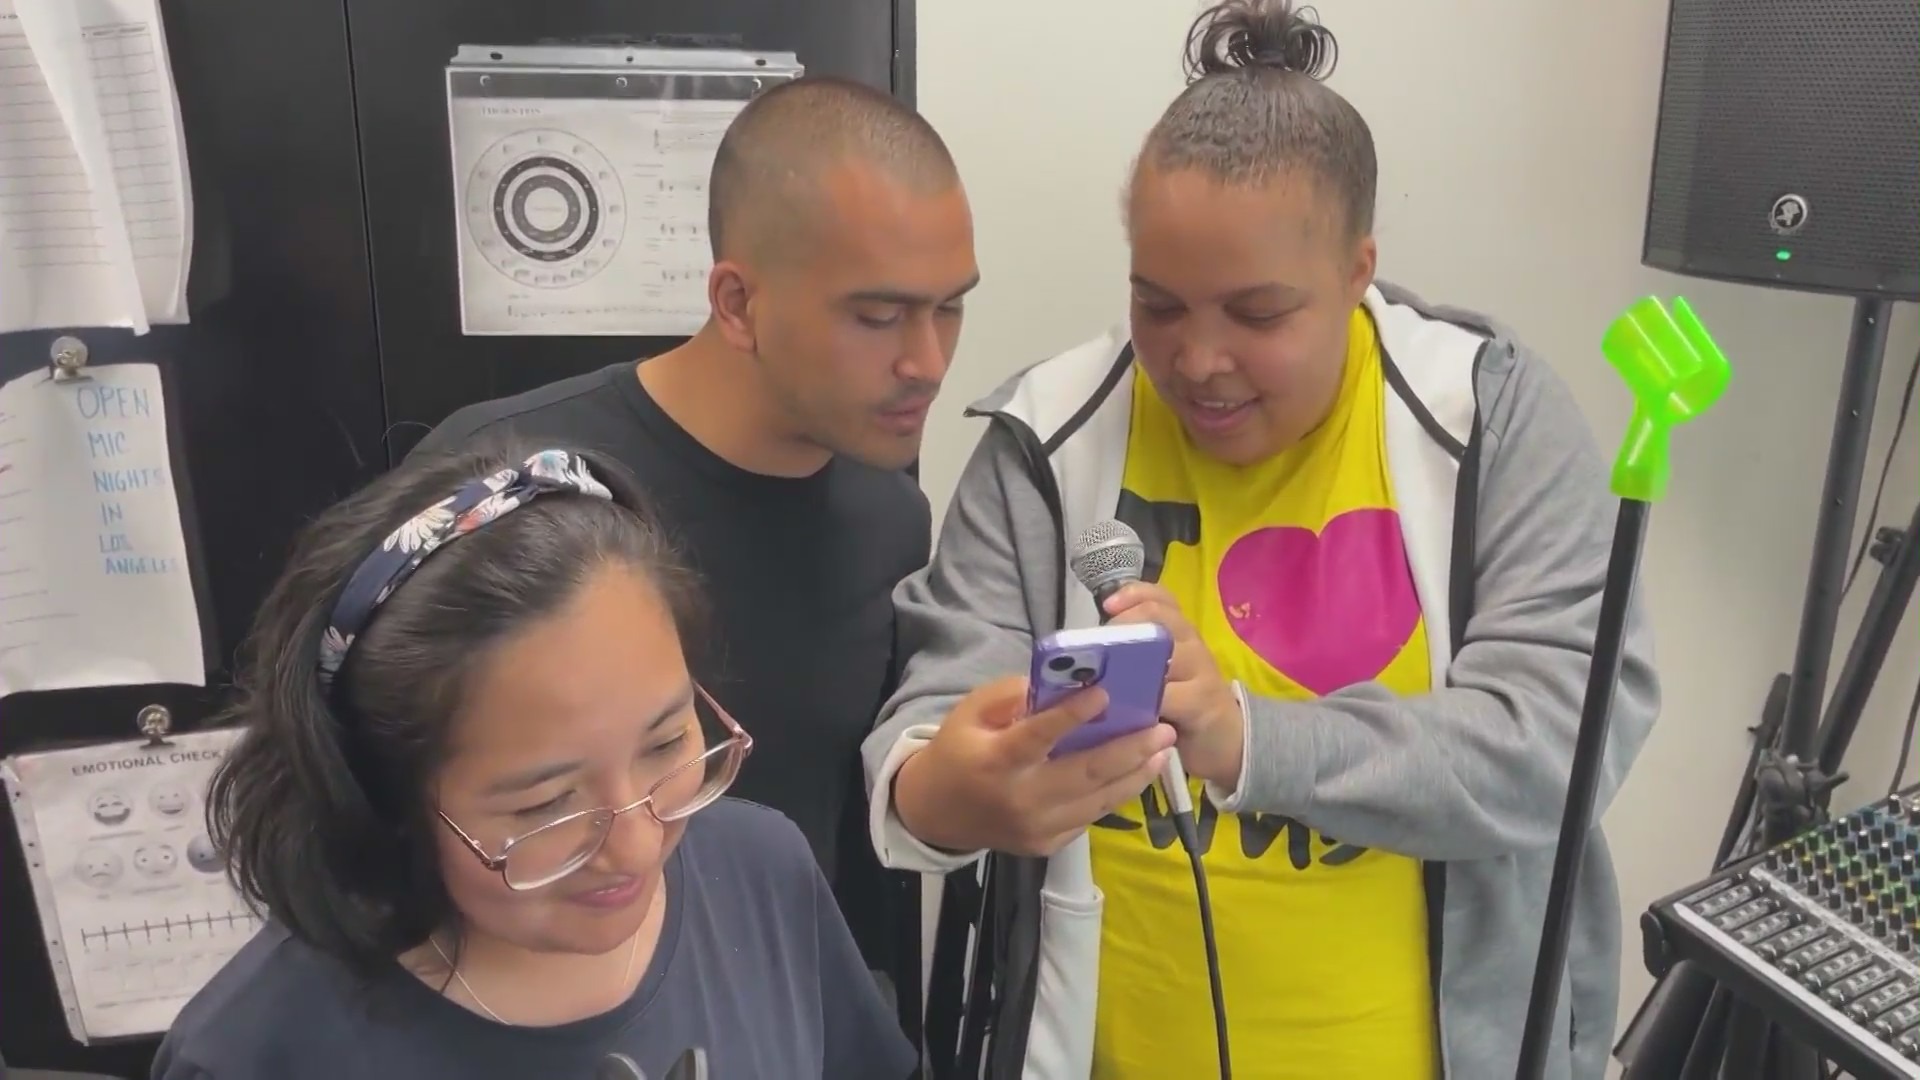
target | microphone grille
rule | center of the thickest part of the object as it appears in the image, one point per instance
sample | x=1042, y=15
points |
x=1107, y=552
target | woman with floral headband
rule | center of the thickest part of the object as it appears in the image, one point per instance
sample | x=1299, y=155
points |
x=479, y=799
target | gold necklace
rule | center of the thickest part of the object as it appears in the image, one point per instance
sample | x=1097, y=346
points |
x=633, y=950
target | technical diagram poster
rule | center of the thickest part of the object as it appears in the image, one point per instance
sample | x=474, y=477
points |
x=134, y=903
x=580, y=182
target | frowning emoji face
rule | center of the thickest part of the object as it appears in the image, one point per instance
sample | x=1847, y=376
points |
x=97, y=866
x=109, y=808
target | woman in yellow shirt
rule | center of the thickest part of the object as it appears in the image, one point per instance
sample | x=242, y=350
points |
x=1378, y=531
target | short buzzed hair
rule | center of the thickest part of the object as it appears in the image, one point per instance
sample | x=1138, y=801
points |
x=784, y=139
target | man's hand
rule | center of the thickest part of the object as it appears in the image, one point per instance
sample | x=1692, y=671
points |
x=1198, y=702
x=985, y=780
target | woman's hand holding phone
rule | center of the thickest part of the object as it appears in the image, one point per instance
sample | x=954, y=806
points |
x=1198, y=701
x=986, y=780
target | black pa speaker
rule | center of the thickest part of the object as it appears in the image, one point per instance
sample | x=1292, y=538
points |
x=1788, y=150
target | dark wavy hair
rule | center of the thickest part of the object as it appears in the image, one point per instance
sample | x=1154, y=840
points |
x=322, y=809
x=1256, y=106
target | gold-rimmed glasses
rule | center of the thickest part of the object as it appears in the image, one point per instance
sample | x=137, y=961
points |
x=543, y=856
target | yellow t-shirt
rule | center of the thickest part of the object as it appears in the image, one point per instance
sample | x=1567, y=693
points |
x=1294, y=573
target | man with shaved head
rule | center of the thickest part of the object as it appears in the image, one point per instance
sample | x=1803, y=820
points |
x=775, y=440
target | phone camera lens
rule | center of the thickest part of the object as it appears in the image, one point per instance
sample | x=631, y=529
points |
x=1083, y=675
x=1061, y=663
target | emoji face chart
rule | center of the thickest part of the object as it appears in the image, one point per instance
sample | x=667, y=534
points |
x=122, y=866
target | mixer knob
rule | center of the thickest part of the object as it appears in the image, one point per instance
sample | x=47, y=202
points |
x=1849, y=892
x=1880, y=928
x=1849, y=846
x=1903, y=940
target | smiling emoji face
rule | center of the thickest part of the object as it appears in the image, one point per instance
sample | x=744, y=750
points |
x=170, y=800
x=109, y=808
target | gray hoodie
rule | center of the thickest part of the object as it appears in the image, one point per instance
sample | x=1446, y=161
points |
x=1507, y=521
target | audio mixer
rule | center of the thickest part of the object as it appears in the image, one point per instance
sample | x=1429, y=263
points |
x=1821, y=934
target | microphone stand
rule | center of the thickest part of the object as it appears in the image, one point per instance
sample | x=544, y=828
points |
x=1675, y=372
x=1794, y=768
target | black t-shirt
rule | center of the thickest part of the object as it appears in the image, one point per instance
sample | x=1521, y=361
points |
x=753, y=965
x=800, y=575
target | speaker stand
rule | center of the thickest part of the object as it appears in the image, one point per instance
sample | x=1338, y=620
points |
x=1794, y=775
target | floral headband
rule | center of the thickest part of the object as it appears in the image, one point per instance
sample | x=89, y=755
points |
x=476, y=503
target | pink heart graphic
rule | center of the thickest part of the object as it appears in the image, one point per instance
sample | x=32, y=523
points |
x=1327, y=611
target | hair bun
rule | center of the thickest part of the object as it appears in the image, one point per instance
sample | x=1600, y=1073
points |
x=1239, y=35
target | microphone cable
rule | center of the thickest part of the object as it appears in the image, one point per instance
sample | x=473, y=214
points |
x=1107, y=556
x=1180, y=809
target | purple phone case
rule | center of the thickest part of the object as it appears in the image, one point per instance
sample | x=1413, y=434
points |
x=1128, y=662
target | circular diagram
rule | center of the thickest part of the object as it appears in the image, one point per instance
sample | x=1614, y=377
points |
x=545, y=208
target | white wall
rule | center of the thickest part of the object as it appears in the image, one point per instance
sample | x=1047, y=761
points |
x=1515, y=138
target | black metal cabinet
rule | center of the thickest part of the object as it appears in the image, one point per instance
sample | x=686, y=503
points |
x=274, y=389
x=325, y=334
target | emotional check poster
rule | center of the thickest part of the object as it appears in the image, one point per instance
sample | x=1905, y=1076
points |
x=134, y=903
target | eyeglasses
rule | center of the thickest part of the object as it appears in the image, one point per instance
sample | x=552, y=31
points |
x=554, y=850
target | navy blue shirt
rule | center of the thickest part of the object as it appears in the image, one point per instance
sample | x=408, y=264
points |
x=754, y=965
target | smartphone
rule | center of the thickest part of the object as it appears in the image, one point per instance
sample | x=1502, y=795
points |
x=1128, y=662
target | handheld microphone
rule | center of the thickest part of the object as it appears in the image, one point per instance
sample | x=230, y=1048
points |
x=1107, y=557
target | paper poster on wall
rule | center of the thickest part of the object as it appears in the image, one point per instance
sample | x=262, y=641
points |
x=96, y=213
x=134, y=904
x=580, y=182
x=95, y=588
